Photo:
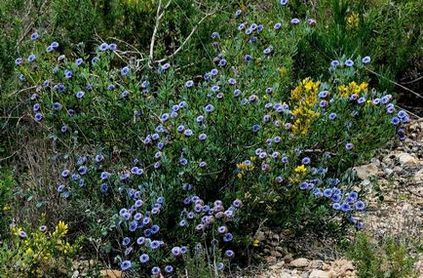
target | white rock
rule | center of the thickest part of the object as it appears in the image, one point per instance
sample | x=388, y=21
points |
x=407, y=159
x=320, y=274
x=364, y=172
x=301, y=262
x=418, y=176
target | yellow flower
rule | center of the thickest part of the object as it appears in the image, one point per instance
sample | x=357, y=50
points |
x=282, y=72
x=61, y=229
x=300, y=169
x=256, y=242
x=239, y=175
x=353, y=20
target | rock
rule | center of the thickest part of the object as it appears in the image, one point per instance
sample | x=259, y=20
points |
x=271, y=260
x=366, y=171
x=260, y=236
x=407, y=159
x=276, y=254
x=388, y=171
x=418, y=176
x=301, y=262
x=288, y=258
x=316, y=264
x=320, y=274
x=111, y=273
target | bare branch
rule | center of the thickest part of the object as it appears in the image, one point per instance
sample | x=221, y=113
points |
x=185, y=41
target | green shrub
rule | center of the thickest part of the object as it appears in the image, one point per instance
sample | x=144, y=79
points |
x=387, y=259
x=6, y=189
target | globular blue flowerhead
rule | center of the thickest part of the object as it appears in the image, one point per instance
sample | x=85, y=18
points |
x=80, y=95
x=31, y=58
x=34, y=36
x=366, y=60
x=124, y=71
x=125, y=265
x=306, y=160
x=169, y=269
x=349, y=146
x=103, y=47
x=79, y=61
x=349, y=63
x=18, y=61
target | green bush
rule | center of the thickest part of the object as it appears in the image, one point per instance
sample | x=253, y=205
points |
x=6, y=189
x=388, y=259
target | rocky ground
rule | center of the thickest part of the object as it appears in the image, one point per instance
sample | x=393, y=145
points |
x=393, y=185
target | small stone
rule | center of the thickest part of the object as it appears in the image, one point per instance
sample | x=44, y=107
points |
x=260, y=236
x=276, y=254
x=407, y=159
x=320, y=274
x=301, y=262
x=418, y=176
x=288, y=258
x=388, y=171
x=111, y=273
x=316, y=264
x=271, y=260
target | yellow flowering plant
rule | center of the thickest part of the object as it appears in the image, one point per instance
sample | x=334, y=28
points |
x=39, y=252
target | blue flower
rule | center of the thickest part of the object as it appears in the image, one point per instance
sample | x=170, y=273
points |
x=306, y=160
x=34, y=36
x=124, y=71
x=155, y=270
x=126, y=241
x=154, y=244
x=268, y=50
x=125, y=265
x=31, y=58
x=366, y=60
x=295, y=21
x=164, y=117
x=18, y=61
x=348, y=146
x=113, y=47
x=209, y=108
x=229, y=253
x=55, y=45
x=49, y=49
x=277, y=26
x=104, y=46
x=332, y=116
x=104, y=187
x=68, y=74
x=227, y=237
x=80, y=95
x=169, y=268
x=215, y=35
x=283, y=2
x=395, y=120
x=60, y=188
x=349, y=63
x=144, y=258
x=256, y=128
x=202, y=137
x=79, y=61
x=335, y=63
x=189, y=83
x=360, y=205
